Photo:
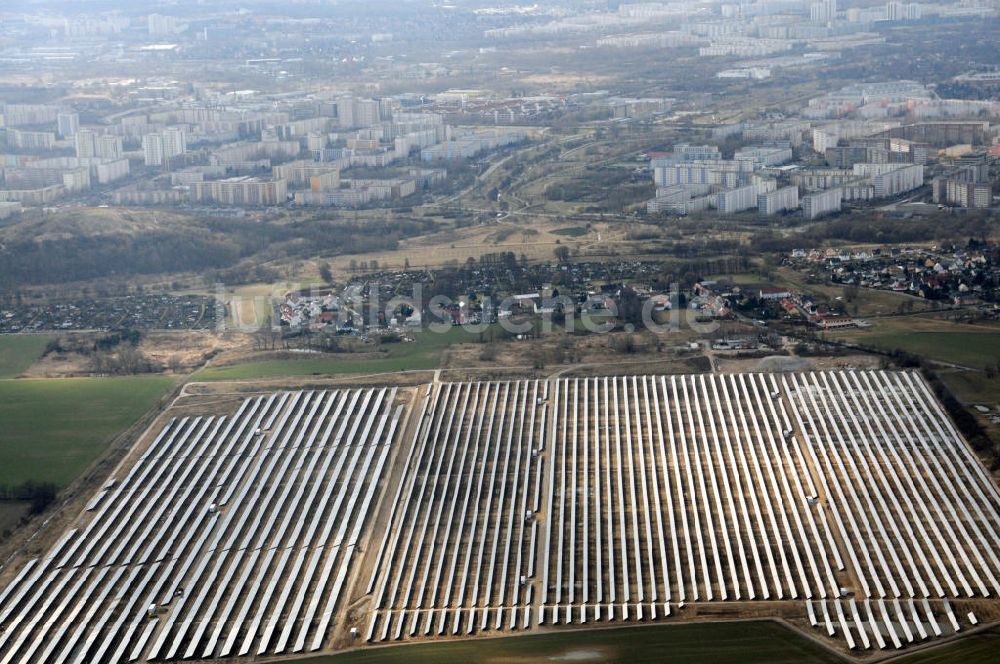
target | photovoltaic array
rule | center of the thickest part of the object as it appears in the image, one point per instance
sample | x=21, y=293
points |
x=521, y=503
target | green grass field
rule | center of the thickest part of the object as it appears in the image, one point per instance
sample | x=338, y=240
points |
x=737, y=278
x=53, y=429
x=971, y=349
x=277, y=368
x=971, y=387
x=979, y=648
x=18, y=351
x=743, y=642
x=422, y=354
x=571, y=231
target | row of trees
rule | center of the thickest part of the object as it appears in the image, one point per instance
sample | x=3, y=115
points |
x=217, y=247
x=116, y=353
x=125, y=361
x=29, y=262
x=39, y=494
x=879, y=231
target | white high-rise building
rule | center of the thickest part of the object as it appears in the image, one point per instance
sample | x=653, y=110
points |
x=174, y=142
x=737, y=200
x=158, y=148
x=68, y=124
x=366, y=112
x=345, y=112
x=786, y=198
x=823, y=11
x=152, y=149
x=900, y=11
x=109, y=147
x=89, y=143
x=159, y=24
x=85, y=142
x=823, y=140
x=824, y=202
x=898, y=180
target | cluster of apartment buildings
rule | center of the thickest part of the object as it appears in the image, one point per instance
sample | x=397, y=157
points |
x=696, y=178
x=752, y=29
x=766, y=31
x=35, y=167
x=865, y=158
x=865, y=169
x=356, y=192
x=472, y=143
x=968, y=185
x=243, y=149
x=884, y=100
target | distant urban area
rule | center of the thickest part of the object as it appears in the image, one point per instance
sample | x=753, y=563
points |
x=627, y=331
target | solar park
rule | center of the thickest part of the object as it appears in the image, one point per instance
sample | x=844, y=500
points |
x=313, y=520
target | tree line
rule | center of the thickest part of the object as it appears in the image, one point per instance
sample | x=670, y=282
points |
x=213, y=245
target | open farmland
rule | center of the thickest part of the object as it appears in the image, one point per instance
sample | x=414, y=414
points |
x=843, y=502
x=18, y=351
x=54, y=429
x=421, y=354
x=738, y=642
x=977, y=349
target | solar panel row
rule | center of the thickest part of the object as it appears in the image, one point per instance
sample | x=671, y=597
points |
x=229, y=536
x=652, y=492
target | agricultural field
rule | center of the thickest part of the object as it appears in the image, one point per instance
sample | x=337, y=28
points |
x=54, y=429
x=970, y=349
x=19, y=351
x=980, y=648
x=421, y=354
x=974, y=346
x=735, y=642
